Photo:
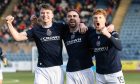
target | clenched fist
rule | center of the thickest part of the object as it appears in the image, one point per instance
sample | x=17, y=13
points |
x=110, y=28
x=9, y=19
x=34, y=20
x=105, y=32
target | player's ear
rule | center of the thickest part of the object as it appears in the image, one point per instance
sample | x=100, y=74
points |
x=53, y=16
x=107, y=22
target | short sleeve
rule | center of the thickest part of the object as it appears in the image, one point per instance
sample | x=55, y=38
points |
x=30, y=33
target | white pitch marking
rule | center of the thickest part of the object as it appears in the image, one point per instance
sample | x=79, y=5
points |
x=12, y=81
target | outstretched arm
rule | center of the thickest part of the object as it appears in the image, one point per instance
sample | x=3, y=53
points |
x=16, y=35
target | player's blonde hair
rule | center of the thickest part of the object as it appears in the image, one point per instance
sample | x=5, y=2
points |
x=100, y=12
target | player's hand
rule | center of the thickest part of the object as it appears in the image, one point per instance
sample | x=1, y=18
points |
x=110, y=28
x=82, y=28
x=33, y=17
x=9, y=19
x=105, y=32
x=5, y=62
x=33, y=20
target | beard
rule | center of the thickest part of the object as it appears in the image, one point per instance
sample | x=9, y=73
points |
x=72, y=23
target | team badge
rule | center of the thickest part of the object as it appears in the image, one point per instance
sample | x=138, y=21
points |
x=98, y=37
x=73, y=36
x=49, y=32
x=98, y=43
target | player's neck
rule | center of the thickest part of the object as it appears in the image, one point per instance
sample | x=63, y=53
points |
x=46, y=25
x=98, y=32
x=74, y=29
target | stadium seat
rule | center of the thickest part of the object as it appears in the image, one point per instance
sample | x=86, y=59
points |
x=130, y=32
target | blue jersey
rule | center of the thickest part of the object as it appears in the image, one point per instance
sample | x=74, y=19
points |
x=105, y=50
x=49, y=44
x=79, y=52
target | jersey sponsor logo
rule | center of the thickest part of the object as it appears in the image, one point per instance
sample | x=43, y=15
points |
x=52, y=38
x=100, y=49
x=78, y=40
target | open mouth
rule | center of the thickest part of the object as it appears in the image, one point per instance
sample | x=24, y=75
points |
x=97, y=24
x=45, y=18
x=72, y=21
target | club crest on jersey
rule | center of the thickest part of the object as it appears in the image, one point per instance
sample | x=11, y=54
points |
x=49, y=32
x=98, y=37
x=73, y=36
x=98, y=43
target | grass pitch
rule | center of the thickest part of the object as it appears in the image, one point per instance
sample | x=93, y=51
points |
x=18, y=78
x=28, y=78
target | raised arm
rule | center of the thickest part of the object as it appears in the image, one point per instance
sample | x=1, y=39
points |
x=114, y=37
x=16, y=35
x=116, y=40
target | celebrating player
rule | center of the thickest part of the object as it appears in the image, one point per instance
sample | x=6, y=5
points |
x=48, y=39
x=79, y=55
x=106, y=46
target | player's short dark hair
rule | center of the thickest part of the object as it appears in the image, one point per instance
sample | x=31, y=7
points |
x=46, y=6
x=74, y=11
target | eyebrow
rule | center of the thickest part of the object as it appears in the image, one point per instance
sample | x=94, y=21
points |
x=73, y=15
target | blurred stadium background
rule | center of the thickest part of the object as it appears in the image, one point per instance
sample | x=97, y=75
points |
x=124, y=14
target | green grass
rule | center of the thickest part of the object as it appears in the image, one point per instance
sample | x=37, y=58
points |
x=18, y=78
x=28, y=78
x=132, y=78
